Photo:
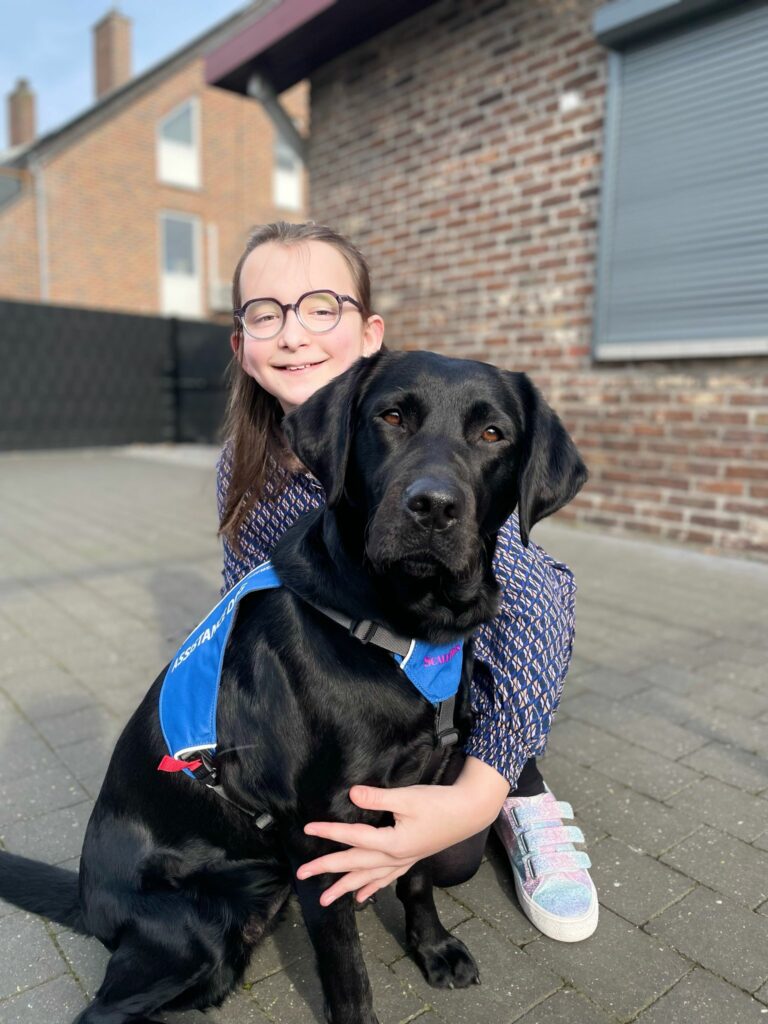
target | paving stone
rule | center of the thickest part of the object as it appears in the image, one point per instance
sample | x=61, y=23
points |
x=762, y=993
x=55, y=1002
x=294, y=996
x=731, y=765
x=286, y=942
x=729, y=727
x=612, y=682
x=731, y=697
x=622, y=969
x=490, y=895
x=238, y=1008
x=579, y=786
x=724, y=807
x=705, y=999
x=674, y=707
x=761, y=842
x=723, y=863
x=53, y=837
x=565, y=1007
x=82, y=724
x=719, y=934
x=22, y=658
x=33, y=795
x=22, y=751
x=632, y=884
x=87, y=757
x=646, y=772
x=632, y=725
x=581, y=742
x=738, y=658
x=86, y=957
x=45, y=694
x=642, y=823
x=510, y=983
x=34, y=959
x=668, y=676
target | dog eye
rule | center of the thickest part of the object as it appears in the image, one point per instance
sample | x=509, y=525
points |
x=392, y=417
x=491, y=435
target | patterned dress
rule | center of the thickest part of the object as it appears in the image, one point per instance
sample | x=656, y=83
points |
x=521, y=657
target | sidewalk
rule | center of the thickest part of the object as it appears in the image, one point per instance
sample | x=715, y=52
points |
x=108, y=558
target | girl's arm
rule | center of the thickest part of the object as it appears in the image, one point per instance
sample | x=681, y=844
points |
x=427, y=819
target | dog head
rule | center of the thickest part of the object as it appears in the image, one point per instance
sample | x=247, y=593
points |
x=430, y=455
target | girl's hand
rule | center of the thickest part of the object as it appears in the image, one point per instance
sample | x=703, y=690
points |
x=427, y=819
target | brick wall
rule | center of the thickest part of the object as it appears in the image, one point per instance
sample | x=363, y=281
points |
x=462, y=150
x=103, y=198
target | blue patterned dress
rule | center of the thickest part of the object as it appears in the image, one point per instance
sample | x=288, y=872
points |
x=521, y=657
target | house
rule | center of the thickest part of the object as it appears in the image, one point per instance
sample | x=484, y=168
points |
x=143, y=202
x=572, y=188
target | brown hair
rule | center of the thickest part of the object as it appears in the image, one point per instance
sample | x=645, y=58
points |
x=260, y=460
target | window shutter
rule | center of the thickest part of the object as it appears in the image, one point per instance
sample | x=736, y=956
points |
x=683, y=256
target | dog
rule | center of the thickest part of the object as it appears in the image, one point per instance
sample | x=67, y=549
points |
x=422, y=458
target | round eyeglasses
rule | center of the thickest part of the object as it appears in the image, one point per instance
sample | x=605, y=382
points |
x=318, y=311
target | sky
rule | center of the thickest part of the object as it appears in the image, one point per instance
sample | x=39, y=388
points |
x=50, y=43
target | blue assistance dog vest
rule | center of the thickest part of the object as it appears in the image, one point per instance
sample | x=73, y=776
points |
x=190, y=690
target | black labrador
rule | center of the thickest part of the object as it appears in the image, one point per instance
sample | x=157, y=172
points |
x=422, y=459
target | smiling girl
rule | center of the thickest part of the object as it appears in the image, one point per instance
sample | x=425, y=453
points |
x=303, y=315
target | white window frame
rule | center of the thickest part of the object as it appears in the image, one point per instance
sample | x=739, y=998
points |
x=179, y=164
x=192, y=305
x=287, y=186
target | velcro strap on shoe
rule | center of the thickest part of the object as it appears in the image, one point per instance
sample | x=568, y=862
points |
x=540, y=864
x=542, y=838
x=547, y=810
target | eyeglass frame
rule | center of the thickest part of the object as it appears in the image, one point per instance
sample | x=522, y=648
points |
x=239, y=314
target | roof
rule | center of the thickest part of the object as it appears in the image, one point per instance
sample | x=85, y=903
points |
x=295, y=37
x=106, y=106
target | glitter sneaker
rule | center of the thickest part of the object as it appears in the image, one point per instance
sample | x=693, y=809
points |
x=552, y=879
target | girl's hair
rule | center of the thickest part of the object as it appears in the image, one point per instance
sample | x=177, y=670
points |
x=260, y=460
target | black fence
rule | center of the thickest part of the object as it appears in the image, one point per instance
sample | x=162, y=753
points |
x=75, y=377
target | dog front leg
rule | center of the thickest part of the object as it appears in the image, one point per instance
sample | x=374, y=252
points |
x=334, y=935
x=444, y=960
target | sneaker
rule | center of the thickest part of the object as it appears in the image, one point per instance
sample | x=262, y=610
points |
x=552, y=879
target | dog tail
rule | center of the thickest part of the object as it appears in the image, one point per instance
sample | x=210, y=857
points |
x=42, y=889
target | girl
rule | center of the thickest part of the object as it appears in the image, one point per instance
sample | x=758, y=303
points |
x=303, y=315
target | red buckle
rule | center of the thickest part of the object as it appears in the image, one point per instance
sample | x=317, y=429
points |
x=174, y=764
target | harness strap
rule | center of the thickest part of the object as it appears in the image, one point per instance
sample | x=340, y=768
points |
x=368, y=632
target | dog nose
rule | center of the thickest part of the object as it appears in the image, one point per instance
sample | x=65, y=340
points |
x=434, y=504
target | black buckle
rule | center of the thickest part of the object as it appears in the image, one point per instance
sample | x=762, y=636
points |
x=367, y=635
x=205, y=772
x=447, y=738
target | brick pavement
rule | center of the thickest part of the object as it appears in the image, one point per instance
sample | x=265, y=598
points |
x=107, y=558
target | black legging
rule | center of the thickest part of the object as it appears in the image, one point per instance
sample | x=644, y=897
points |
x=458, y=863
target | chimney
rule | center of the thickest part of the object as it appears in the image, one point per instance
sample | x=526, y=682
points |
x=111, y=52
x=21, y=114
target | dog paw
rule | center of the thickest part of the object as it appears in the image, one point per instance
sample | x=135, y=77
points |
x=447, y=964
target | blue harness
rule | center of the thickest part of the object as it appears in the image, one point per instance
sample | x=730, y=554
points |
x=190, y=690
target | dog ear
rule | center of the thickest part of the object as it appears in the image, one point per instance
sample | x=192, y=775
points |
x=550, y=471
x=320, y=430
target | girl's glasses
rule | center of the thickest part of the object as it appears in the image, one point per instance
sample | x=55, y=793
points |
x=318, y=311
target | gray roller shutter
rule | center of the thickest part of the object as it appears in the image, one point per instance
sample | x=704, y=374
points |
x=683, y=251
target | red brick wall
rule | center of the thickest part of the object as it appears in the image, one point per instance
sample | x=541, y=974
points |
x=447, y=150
x=103, y=198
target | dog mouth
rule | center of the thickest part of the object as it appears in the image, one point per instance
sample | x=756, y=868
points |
x=420, y=564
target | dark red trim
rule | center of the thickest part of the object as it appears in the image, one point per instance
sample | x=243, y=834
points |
x=260, y=36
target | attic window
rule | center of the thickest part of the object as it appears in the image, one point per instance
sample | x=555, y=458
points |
x=178, y=146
